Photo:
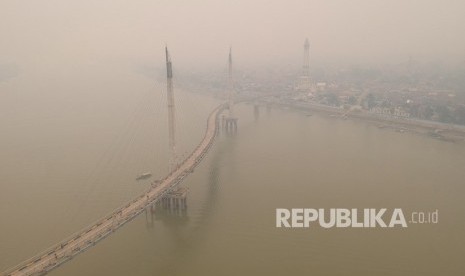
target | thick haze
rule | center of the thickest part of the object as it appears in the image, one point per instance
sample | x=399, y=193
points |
x=49, y=34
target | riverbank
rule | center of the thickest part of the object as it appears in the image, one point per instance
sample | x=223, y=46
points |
x=437, y=130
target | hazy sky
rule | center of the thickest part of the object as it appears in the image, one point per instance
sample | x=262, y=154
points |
x=37, y=34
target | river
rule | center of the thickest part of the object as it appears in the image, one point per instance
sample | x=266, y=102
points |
x=69, y=158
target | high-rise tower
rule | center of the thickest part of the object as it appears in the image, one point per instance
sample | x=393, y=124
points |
x=305, y=83
x=171, y=111
x=306, y=61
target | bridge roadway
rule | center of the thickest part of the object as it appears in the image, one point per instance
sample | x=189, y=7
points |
x=66, y=250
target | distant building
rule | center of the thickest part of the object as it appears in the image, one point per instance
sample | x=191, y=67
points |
x=396, y=112
x=321, y=86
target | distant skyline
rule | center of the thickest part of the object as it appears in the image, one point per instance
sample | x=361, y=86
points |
x=46, y=35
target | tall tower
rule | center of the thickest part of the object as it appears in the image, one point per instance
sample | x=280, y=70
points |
x=171, y=111
x=305, y=84
x=306, y=62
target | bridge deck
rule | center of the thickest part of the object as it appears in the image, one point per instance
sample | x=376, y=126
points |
x=66, y=250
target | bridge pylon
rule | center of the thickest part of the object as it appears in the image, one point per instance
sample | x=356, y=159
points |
x=171, y=111
x=230, y=122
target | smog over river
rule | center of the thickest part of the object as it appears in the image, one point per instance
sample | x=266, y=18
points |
x=232, y=137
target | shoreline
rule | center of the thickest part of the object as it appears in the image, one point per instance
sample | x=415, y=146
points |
x=436, y=130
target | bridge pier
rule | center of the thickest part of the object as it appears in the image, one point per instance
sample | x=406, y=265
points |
x=256, y=111
x=230, y=125
x=149, y=218
x=175, y=201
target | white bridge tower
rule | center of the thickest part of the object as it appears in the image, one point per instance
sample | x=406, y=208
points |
x=171, y=111
x=230, y=123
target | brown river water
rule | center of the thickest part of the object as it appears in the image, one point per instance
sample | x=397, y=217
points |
x=68, y=158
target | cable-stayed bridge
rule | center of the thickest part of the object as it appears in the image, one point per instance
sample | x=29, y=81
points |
x=86, y=238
